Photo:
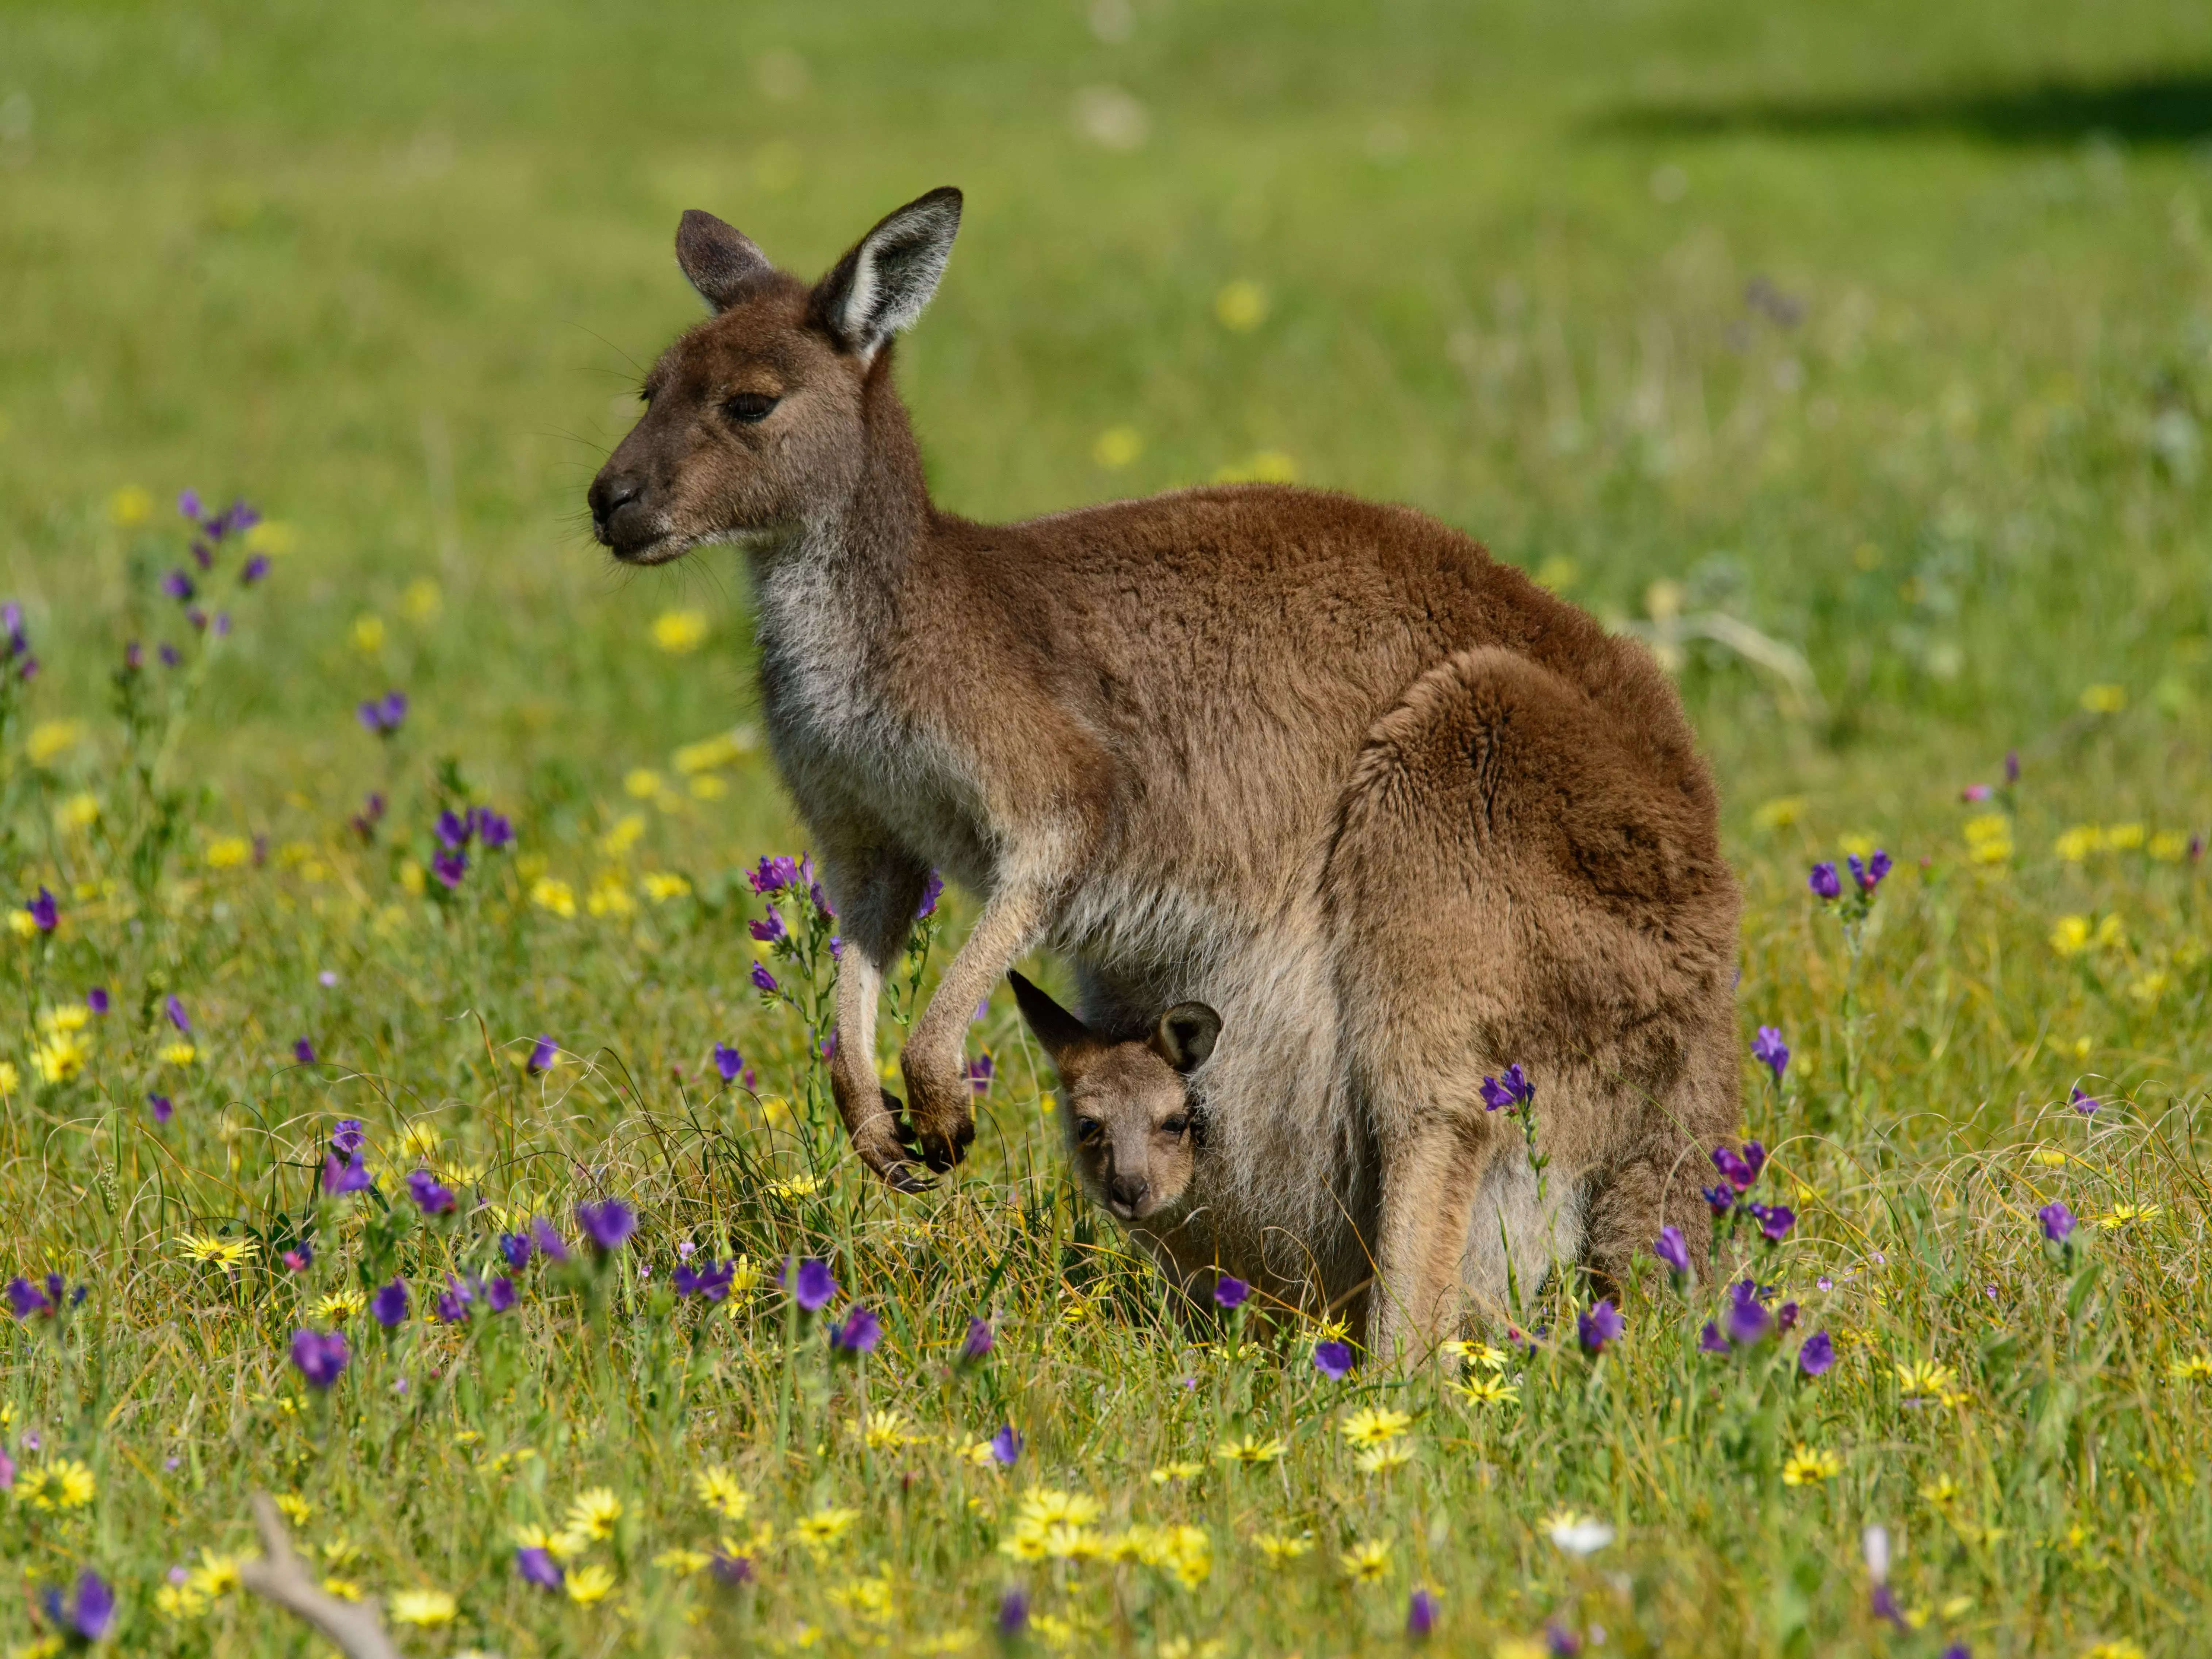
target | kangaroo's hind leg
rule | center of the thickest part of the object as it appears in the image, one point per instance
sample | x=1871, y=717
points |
x=1512, y=881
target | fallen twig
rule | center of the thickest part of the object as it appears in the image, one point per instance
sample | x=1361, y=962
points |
x=278, y=1575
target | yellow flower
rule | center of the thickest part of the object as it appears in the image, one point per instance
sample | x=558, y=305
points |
x=64, y=1484
x=79, y=811
x=1372, y=1426
x=59, y=1058
x=180, y=1601
x=421, y=599
x=51, y=739
x=2069, y=935
x=1989, y=838
x=369, y=634
x=681, y=1562
x=2050, y=1157
x=1381, y=1460
x=679, y=631
x=1519, y=1647
x=346, y=1589
x=708, y=787
x=216, y=1575
x=1045, y=1506
x=1779, y=813
x=662, y=886
x=429, y=1607
x=712, y=754
x=610, y=895
x=824, y=1528
x=561, y=1546
x=10, y=1079
x=1280, y=1549
x=1367, y=1562
x=719, y=1491
x=2191, y=1368
x=1250, y=1450
x=948, y=1641
x=273, y=536
x=179, y=1054
x=870, y=1598
x=2124, y=837
x=297, y=1509
x=2076, y=843
x=1489, y=1391
x=2120, y=1215
x=1941, y=1492
x=229, y=852
x=2169, y=846
x=229, y=1254
x=595, y=1512
x=1117, y=447
x=1242, y=306
x=2104, y=699
x=1808, y=1468
x=550, y=893
x=1262, y=466
x=70, y=1017
x=643, y=783
x=798, y=1186
x=883, y=1431
x=419, y=1141
x=1923, y=1377
x=979, y=1454
x=2148, y=989
x=1167, y=1471
x=20, y=922
x=2117, y=1650
x=131, y=506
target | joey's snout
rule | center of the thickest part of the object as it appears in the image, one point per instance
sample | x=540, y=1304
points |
x=621, y=520
x=1126, y=1195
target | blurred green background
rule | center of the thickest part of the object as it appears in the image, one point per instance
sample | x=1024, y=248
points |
x=1884, y=330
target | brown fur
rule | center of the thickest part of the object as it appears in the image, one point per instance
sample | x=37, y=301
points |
x=1402, y=815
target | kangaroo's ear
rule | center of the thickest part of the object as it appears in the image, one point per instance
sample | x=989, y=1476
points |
x=720, y=259
x=1187, y=1035
x=1065, y=1038
x=881, y=286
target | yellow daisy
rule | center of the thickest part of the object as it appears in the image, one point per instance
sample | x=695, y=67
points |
x=1280, y=1549
x=1372, y=1426
x=590, y=1584
x=595, y=1512
x=719, y=1491
x=424, y=1607
x=1250, y=1450
x=1806, y=1467
x=1367, y=1562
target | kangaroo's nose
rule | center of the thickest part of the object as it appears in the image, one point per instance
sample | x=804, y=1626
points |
x=1128, y=1191
x=610, y=493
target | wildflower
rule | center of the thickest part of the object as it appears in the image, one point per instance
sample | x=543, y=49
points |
x=350, y=1177
x=430, y=1197
x=492, y=829
x=1250, y=1450
x=1381, y=1460
x=1769, y=1050
x=59, y=1058
x=535, y=1565
x=1229, y=1293
x=811, y=1287
x=707, y=1280
x=728, y=1062
x=179, y=1054
x=762, y=980
x=303, y=1050
x=2059, y=1223
x=89, y=1611
x=1005, y=1446
x=679, y=631
x=2120, y=1215
x=389, y=1305
x=548, y=893
x=824, y=1528
x=1806, y=1467
x=1281, y=1551
x=42, y=911
x=422, y=1608
x=2191, y=1368
x=1720, y=1199
x=1421, y=1611
x=594, y=1512
x=1367, y=1562
x=547, y=1241
x=1014, y=1616
x=1574, y=1533
x=229, y=1254
x=1741, y=1170
x=978, y=1342
x=681, y=1562
x=1824, y=883
x=449, y=868
x=336, y=1307
x=883, y=1431
x=608, y=1224
x=64, y=1484
x=1171, y=1472
x=1775, y=1220
x=1373, y=1426
x=1709, y=1340
x=320, y=1356
x=1601, y=1325
x=2087, y=1104
x=718, y=1489
x=1923, y=1377
x=859, y=1333
x=1671, y=1248
x=1512, y=1089
x=1816, y=1353
x=590, y=1585
x=1492, y=1390
x=1332, y=1359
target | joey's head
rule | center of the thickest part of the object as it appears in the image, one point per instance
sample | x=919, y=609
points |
x=1132, y=1126
x=755, y=419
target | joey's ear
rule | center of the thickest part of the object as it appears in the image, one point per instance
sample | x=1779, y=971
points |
x=1065, y=1038
x=1187, y=1035
x=881, y=286
x=720, y=259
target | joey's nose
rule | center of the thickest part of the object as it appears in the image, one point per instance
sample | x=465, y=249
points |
x=1128, y=1191
x=610, y=494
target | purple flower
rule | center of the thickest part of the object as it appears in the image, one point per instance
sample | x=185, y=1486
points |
x=930, y=891
x=96, y=1000
x=43, y=911
x=163, y=1106
x=1332, y=1359
x=728, y=1061
x=535, y=1565
x=1229, y=1293
x=1601, y=1325
x=763, y=978
x=178, y=585
x=304, y=1052
x=1420, y=1614
x=2087, y=1104
x=454, y=829
x=1671, y=1249
x=449, y=868
x=733, y=1569
x=770, y=928
x=980, y=1071
x=979, y=1341
x=383, y=716
x=492, y=828
x=351, y=1176
x=1005, y=1446
x=170, y=655
x=2059, y=1223
x=1775, y=1220
x=515, y=1249
x=1510, y=1091
x=859, y=1333
x=1868, y=876
x=1769, y=1050
x=1817, y=1353
x=608, y=1225
x=188, y=503
x=320, y=1357
x=389, y=1304
x=707, y=1280
x=1974, y=792
x=1824, y=883
x=547, y=1241
x=1748, y=1322
x=256, y=569
x=452, y=1303
x=543, y=1053
x=1883, y=1602
x=431, y=1196
x=90, y=1611
x=175, y=1009
x=1709, y=1340
x=299, y=1258
x=1013, y=1614
x=347, y=1136
x=1785, y=1317
x=811, y=1286
x=25, y=1299
x=775, y=874
x=1721, y=1198
x=1735, y=1168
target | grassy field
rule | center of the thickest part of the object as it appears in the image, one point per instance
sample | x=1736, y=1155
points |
x=1859, y=358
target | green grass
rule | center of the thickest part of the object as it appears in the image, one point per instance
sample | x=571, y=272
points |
x=391, y=272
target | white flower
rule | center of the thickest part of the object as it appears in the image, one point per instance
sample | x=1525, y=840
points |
x=1578, y=1535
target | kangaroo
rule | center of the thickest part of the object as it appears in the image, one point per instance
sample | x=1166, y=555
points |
x=1400, y=815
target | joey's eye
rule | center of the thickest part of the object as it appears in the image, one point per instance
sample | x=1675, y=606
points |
x=1087, y=1129
x=748, y=407
x=1175, y=1126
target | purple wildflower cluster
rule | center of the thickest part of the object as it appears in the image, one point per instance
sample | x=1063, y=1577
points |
x=708, y=1278
x=320, y=1356
x=45, y=914
x=211, y=529
x=1509, y=1093
x=89, y=1613
x=382, y=717
x=45, y=1300
x=19, y=657
x=456, y=830
x=800, y=938
x=1828, y=884
x=1728, y=1200
x=1746, y=1323
x=1768, y=1048
x=1598, y=1325
x=465, y=1293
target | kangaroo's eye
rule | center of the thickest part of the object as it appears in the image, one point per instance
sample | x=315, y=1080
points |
x=1087, y=1129
x=748, y=407
x=1175, y=1126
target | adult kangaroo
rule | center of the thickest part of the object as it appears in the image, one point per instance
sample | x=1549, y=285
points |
x=1398, y=814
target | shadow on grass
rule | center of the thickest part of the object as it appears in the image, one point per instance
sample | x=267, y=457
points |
x=2163, y=108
